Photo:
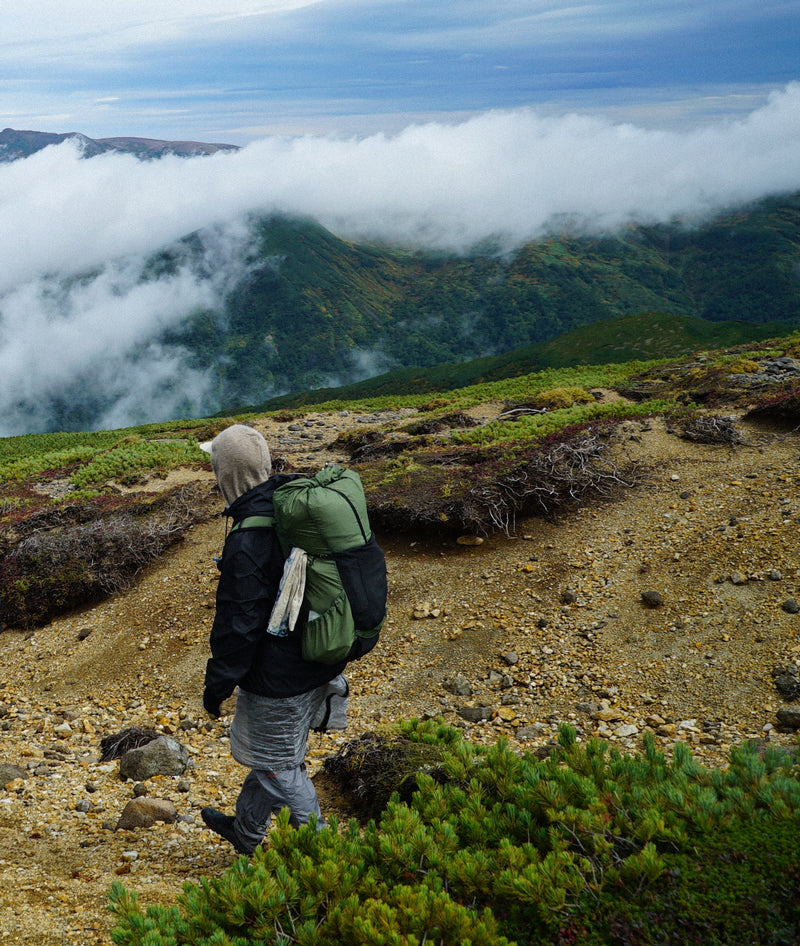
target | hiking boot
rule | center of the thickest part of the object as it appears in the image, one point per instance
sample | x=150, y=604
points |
x=223, y=826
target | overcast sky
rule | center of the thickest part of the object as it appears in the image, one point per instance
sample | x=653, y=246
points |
x=235, y=70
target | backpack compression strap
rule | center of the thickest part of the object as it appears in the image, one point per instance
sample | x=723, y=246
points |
x=352, y=506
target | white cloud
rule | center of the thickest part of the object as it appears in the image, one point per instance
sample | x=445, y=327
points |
x=114, y=22
x=508, y=173
x=500, y=172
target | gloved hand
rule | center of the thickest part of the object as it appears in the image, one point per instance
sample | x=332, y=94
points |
x=211, y=704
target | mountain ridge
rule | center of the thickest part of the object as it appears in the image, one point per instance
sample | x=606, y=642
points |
x=18, y=144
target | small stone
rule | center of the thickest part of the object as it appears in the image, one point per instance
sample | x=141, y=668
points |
x=83, y=633
x=458, y=685
x=569, y=596
x=475, y=714
x=737, y=578
x=587, y=708
x=423, y=610
x=10, y=773
x=469, y=540
x=652, y=599
x=511, y=658
x=787, y=683
x=790, y=606
x=626, y=731
x=500, y=680
x=607, y=715
x=162, y=756
x=526, y=733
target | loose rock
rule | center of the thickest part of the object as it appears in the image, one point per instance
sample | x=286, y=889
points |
x=162, y=756
x=652, y=599
x=145, y=812
x=10, y=772
x=789, y=717
x=475, y=714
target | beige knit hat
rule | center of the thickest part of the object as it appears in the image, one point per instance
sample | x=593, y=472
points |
x=240, y=459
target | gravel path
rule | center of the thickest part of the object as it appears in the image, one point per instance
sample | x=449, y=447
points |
x=520, y=633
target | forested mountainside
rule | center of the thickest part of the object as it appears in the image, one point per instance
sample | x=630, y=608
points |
x=316, y=310
x=271, y=305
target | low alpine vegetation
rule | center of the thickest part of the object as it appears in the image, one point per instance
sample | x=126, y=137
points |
x=72, y=528
x=589, y=846
x=81, y=554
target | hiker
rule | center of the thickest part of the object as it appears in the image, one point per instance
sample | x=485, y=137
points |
x=280, y=695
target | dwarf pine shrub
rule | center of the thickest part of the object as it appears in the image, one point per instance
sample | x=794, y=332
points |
x=508, y=849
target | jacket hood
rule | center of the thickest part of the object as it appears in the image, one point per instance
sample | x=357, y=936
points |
x=240, y=459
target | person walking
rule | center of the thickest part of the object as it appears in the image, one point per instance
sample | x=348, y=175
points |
x=280, y=695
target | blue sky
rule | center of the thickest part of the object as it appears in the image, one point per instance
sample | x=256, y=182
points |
x=236, y=70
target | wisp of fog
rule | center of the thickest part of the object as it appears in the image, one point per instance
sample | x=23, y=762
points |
x=76, y=233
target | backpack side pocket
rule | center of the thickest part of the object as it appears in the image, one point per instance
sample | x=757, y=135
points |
x=362, y=571
x=328, y=637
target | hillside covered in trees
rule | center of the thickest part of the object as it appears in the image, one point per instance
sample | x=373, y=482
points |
x=317, y=311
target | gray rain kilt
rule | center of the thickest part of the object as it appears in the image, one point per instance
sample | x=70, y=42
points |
x=269, y=736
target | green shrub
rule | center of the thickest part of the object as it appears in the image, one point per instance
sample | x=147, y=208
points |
x=538, y=426
x=128, y=460
x=588, y=846
x=559, y=398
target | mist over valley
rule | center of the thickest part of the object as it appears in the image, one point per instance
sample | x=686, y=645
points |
x=137, y=290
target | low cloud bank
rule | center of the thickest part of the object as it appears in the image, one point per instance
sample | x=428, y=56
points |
x=75, y=234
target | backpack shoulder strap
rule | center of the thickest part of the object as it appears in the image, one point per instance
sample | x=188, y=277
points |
x=253, y=522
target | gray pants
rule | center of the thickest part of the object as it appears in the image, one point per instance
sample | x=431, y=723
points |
x=266, y=793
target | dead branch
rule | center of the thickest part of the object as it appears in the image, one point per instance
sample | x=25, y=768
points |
x=709, y=429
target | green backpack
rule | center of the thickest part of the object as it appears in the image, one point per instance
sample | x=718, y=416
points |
x=346, y=588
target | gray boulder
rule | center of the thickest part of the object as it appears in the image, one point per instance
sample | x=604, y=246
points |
x=162, y=756
x=789, y=717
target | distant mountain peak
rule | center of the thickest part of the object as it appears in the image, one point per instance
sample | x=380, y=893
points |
x=17, y=144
